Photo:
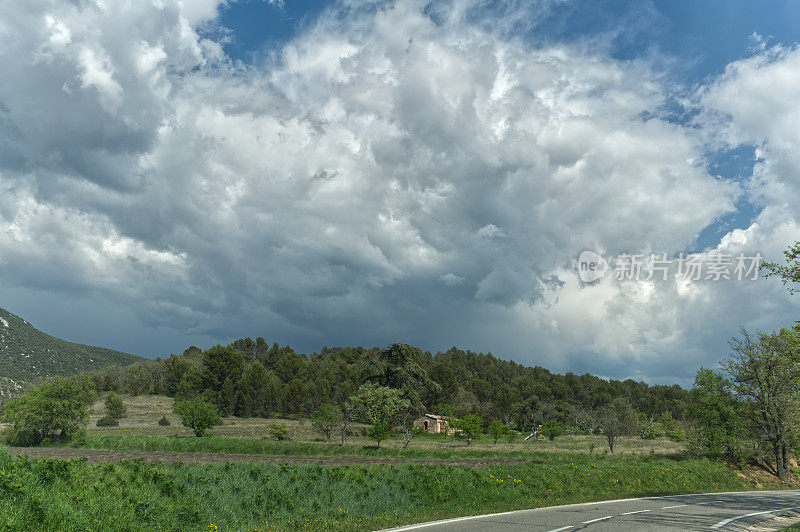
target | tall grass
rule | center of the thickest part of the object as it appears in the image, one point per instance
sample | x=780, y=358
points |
x=75, y=495
x=221, y=444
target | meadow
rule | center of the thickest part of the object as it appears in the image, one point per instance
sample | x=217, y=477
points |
x=140, y=431
x=46, y=494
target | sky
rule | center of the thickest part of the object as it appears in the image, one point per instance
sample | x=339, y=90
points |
x=178, y=173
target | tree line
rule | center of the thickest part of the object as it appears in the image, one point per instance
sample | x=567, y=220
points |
x=251, y=378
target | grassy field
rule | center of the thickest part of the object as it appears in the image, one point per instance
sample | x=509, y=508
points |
x=140, y=432
x=74, y=495
x=46, y=494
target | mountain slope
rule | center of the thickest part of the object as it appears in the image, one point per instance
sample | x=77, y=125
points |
x=28, y=354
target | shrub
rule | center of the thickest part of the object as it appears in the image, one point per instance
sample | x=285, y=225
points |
x=497, y=429
x=278, y=431
x=55, y=409
x=198, y=414
x=654, y=430
x=552, y=429
x=115, y=406
x=469, y=427
x=78, y=439
x=326, y=419
x=107, y=421
x=379, y=432
x=164, y=422
x=677, y=435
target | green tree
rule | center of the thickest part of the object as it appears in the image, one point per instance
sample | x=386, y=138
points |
x=175, y=368
x=446, y=379
x=552, y=429
x=296, y=397
x=497, y=429
x=616, y=419
x=228, y=397
x=327, y=418
x=378, y=405
x=56, y=408
x=374, y=403
x=765, y=373
x=222, y=369
x=398, y=367
x=278, y=431
x=469, y=427
x=115, y=406
x=719, y=416
x=348, y=411
x=379, y=431
x=789, y=273
x=251, y=400
x=198, y=414
x=245, y=347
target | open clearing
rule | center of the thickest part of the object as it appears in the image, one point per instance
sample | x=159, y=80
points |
x=144, y=411
x=167, y=457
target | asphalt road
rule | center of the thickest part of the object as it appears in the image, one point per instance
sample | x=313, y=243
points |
x=719, y=511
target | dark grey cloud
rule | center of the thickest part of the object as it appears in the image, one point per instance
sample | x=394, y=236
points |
x=393, y=174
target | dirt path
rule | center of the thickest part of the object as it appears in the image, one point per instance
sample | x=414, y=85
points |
x=152, y=457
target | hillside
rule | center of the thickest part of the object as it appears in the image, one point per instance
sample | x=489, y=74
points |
x=253, y=379
x=28, y=354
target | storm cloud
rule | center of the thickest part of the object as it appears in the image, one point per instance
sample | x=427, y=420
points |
x=399, y=172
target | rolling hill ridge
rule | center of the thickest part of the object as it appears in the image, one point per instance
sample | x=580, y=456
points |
x=27, y=354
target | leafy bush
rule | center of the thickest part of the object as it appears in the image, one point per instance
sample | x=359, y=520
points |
x=107, y=421
x=278, y=431
x=198, y=414
x=497, y=429
x=326, y=419
x=469, y=427
x=678, y=435
x=115, y=406
x=78, y=439
x=164, y=422
x=53, y=410
x=654, y=430
x=552, y=429
x=373, y=403
x=378, y=432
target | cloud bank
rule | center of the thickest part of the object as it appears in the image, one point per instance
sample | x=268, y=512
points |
x=395, y=172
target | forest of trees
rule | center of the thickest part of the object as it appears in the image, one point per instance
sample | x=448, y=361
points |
x=251, y=378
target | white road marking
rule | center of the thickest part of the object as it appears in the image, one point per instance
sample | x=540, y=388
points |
x=676, y=506
x=596, y=520
x=732, y=519
x=470, y=517
x=559, y=529
x=577, y=505
x=635, y=512
x=446, y=521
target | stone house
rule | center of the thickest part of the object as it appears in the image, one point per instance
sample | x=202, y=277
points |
x=433, y=424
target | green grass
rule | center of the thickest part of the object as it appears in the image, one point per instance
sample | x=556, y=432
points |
x=74, y=495
x=222, y=444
